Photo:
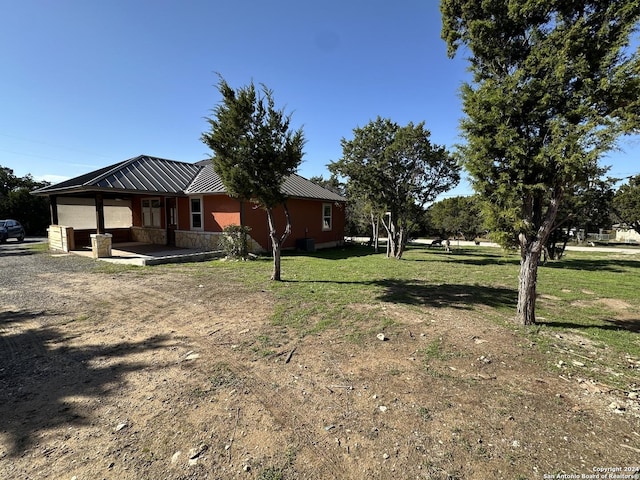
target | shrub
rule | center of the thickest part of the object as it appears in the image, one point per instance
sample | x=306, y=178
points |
x=233, y=241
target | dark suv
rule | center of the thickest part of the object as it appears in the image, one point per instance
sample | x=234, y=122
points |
x=11, y=229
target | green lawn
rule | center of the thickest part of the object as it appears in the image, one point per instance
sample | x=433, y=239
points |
x=593, y=294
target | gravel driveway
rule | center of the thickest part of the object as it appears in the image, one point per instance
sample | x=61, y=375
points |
x=22, y=267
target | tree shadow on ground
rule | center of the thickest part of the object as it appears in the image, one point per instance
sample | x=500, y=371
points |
x=9, y=317
x=594, y=265
x=337, y=253
x=413, y=292
x=470, y=256
x=41, y=376
x=480, y=258
x=16, y=249
x=416, y=292
x=630, y=325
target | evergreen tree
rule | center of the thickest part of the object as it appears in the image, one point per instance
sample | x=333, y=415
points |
x=554, y=85
x=626, y=203
x=456, y=216
x=254, y=151
x=395, y=171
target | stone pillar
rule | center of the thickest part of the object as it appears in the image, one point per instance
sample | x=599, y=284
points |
x=101, y=245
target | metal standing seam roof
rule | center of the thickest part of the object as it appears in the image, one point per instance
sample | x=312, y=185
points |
x=138, y=174
x=78, y=182
x=297, y=186
x=158, y=175
x=150, y=174
x=208, y=181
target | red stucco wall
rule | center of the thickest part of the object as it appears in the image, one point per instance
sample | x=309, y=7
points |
x=306, y=222
x=220, y=211
x=183, y=213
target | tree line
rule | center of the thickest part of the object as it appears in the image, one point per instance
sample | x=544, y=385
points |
x=601, y=205
x=17, y=203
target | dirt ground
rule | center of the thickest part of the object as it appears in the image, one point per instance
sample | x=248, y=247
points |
x=167, y=375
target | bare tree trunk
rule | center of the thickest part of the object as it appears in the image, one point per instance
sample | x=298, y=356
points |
x=530, y=251
x=401, y=244
x=375, y=232
x=528, y=278
x=388, y=244
x=276, y=243
x=391, y=237
x=396, y=239
x=560, y=253
x=276, y=264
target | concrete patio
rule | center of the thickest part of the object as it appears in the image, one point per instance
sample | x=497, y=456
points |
x=141, y=254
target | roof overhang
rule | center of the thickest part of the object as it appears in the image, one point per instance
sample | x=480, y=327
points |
x=83, y=190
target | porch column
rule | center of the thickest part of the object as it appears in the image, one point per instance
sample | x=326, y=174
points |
x=99, y=213
x=53, y=208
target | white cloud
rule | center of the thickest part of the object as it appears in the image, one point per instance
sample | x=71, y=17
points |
x=51, y=178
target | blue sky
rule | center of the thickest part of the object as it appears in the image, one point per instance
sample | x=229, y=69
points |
x=86, y=84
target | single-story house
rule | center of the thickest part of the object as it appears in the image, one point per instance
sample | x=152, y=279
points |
x=625, y=234
x=167, y=202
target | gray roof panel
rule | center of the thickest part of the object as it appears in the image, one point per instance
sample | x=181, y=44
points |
x=206, y=181
x=145, y=174
x=139, y=174
x=297, y=186
x=152, y=175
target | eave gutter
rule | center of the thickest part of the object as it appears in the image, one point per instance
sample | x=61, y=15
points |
x=114, y=191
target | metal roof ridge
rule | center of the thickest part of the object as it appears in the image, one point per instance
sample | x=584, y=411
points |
x=116, y=167
x=151, y=157
x=195, y=176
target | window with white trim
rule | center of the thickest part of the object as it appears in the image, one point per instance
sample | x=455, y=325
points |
x=326, y=217
x=196, y=213
x=151, y=212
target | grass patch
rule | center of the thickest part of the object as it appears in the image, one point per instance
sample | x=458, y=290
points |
x=434, y=351
x=222, y=376
x=594, y=296
x=346, y=289
x=271, y=473
x=279, y=472
x=425, y=414
x=115, y=268
x=41, y=247
x=265, y=346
